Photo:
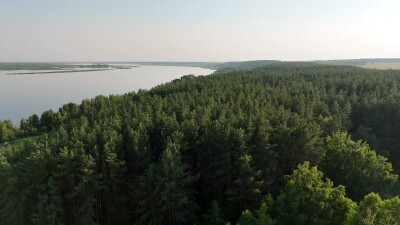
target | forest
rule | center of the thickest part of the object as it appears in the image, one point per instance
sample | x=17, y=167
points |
x=282, y=144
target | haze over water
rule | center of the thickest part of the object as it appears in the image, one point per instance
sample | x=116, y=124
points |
x=24, y=95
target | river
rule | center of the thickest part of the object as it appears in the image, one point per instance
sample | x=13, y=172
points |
x=24, y=95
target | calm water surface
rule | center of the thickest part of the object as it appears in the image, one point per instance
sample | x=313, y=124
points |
x=23, y=95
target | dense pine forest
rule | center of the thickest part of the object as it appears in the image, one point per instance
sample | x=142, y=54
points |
x=284, y=144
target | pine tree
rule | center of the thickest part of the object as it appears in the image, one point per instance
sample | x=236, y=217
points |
x=14, y=193
x=78, y=184
x=246, y=190
x=48, y=209
x=215, y=160
x=262, y=214
x=265, y=159
x=177, y=202
x=147, y=197
x=214, y=217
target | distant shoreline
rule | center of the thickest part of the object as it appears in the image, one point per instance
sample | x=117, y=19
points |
x=62, y=71
x=37, y=68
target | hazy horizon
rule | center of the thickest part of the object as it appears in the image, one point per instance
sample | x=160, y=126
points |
x=183, y=31
x=183, y=61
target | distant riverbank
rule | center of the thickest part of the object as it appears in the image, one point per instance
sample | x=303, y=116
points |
x=22, y=95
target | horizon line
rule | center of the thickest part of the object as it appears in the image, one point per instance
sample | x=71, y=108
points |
x=178, y=61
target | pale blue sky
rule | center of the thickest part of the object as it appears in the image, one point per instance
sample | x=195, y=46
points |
x=203, y=30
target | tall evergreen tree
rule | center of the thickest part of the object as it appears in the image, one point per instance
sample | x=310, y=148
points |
x=177, y=200
x=214, y=217
x=146, y=191
x=246, y=190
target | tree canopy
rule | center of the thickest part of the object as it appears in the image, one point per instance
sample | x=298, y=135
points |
x=206, y=149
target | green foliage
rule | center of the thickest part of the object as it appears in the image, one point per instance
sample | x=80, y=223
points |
x=261, y=217
x=354, y=165
x=246, y=190
x=163, y=156
x=7, y=131
x=147, y=195
x=246, y=218
x=214, y=217
x=296, y=141
x=374, y=210
x=310, y=199
x=178, y=205
x=162, y=192
x=48, y=209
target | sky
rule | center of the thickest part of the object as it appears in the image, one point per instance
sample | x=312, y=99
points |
x=197, y=30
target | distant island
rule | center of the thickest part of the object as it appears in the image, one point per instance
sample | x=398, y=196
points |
x=44, y=68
